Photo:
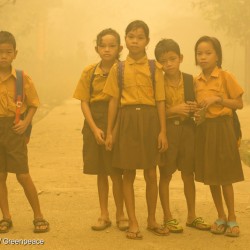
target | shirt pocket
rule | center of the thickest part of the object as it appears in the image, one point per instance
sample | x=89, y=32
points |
x=11, y=104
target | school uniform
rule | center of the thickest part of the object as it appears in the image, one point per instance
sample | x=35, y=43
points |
x=13, y=148
x=136, y=142
x=217, y=159
x=96, y=160
x=180, y=134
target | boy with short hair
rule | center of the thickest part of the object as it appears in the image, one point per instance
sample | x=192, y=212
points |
x=180, y=134
x=13, y=148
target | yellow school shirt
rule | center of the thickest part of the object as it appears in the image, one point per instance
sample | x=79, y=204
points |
x=222, y=84
x=8, y=95
x=137, y=83
x=82, y=91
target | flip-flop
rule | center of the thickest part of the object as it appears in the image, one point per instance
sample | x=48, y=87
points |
x=221, y=226
x=173, y=226
x=38, y=223
x=199, y=221
x=229, y=231
x=159, y=231
x=134, y=235
x=7, y=223
x=101, y=225
x=122, y=224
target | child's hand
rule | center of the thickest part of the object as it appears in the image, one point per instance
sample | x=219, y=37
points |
x=162, y=142
x=206, y=102
x=20, y=127
x=109, y=142
x=184, y=109
x=99, y=136
x=192, y=106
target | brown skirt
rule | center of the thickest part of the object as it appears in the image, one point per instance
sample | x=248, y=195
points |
x=137, y=138
x=217, y=159
x=96, y=160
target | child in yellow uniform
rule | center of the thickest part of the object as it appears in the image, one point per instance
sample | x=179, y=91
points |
x=141, y=133
x=13, y=148
x=217, y=160
x=94, y=104
x=180, y=134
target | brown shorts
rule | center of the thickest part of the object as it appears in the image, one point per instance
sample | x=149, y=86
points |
x=13, y=149
x=96, y=160
x=137, y=136
x=217, y=159
x=180, y=152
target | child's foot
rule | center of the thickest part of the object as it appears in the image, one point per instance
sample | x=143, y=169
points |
x=198, y=223
x=5, y=225
x=122, y=224
x=173, y=226
x=233, y=229
x=40, y=225
x=219, y=226
x=134, y=235
x=158, y=230
x=101, y=224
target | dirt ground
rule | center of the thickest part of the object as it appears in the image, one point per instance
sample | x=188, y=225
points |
x=69, y=198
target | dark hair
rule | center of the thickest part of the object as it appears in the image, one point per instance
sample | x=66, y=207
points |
x=105, y=32
x=166, y=45
x=7, y=37
x=136, y=25
x=216, y=45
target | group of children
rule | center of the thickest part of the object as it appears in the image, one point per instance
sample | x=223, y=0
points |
x=139, y=114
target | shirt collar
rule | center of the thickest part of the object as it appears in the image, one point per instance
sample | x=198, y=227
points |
x=215, y=74
x=142, y=60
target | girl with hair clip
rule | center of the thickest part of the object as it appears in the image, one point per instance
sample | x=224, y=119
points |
x=217, y=162
x=94, y=105
x=141, y=134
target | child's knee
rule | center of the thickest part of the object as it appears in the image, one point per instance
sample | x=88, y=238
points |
x=150, y=175
x=187, y=177
x=166, y=177
x=129, y=175
x=23, y=178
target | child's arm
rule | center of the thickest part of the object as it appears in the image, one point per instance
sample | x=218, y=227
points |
x=162, y=138
x=182, y=109
x=98, y=133
x=22, y=125
x=112, y=112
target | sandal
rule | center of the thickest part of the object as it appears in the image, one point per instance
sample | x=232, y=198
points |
x=101, y=225
x=199, y=223
x=41, y=225
x=159, y=231
x=122, y=224
x=229, y=231
x=173, y=226
x=5, y=225
x=134, y=235
x=220, y=227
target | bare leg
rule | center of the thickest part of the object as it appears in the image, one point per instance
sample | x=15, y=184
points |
x=189, y=191
x=118, y=196
x=129, y=198
x=31, y=194
x=103, y=190
x=164, y=194
x=217, y=198
x=4, y=205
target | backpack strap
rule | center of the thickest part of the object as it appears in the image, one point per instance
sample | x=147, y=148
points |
x=18, y=94
x=152, y=71
x=92, y=79
x=189, y=94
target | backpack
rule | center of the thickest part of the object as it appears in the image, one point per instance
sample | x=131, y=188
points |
x=19, y=96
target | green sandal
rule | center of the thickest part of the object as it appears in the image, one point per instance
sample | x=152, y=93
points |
x=221, y=226
x=173, y=226
x=229, y=231
x=6, y=224
x=199, y=224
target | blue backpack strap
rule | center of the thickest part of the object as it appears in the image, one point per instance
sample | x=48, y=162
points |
x=19, y=85
x=92, y=79
x=152, y=71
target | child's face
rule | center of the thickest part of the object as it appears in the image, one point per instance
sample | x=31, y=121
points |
x=136, y=41
x=206, y=56
x=171, y=62
x=108, y=49
x=7, y=55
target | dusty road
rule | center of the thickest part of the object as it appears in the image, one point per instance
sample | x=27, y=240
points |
x=69, y=198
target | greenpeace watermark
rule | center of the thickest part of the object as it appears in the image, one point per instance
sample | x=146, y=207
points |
x=23, y=242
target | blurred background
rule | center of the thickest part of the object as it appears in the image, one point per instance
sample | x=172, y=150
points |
x=56, y=38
